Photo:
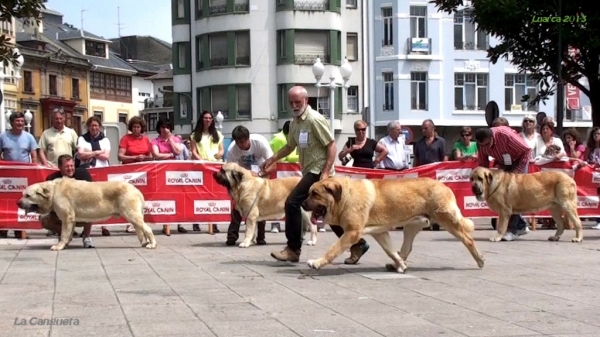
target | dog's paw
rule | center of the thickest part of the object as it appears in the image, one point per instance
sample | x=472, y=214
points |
x=151, y=246
x=496, y=238
x=57, y=247
x=244, y=244
x=576, y=240
x=311, y=243
x=554, y=238
x=145, y=244
x=481, y=261
x=314, y=264
x=393, y=268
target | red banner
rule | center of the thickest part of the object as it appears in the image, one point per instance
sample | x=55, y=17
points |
x=184, y=192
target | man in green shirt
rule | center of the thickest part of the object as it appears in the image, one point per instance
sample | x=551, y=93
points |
x=310, y=133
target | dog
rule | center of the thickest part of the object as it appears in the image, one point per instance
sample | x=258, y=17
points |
x=81, y=201
x=511, y=193
x=375, y=207
x=259, y=199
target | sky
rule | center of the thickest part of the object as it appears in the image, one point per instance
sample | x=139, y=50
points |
x=101, y=17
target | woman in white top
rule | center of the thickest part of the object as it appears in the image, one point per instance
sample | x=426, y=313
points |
x=528, y=133
x=546, y=139
x=93, y=148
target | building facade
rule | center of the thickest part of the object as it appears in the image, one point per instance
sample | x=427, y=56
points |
x=432, y=65
x=160, y=105
x=241, y=56
x=8, y=29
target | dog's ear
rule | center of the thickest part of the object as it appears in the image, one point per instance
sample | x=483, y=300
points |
x=44, y=192
x=489, y=177
x=237, y=176
x=335, y=189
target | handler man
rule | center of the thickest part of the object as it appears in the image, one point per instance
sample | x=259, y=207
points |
x=51, y=222
x=310, y=133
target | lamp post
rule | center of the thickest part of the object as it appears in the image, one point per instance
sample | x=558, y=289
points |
x=28, y=119
x=17, y=76
x=7, y=120
x=345, y=70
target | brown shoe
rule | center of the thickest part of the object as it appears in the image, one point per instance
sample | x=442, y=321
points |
x=286, y=255
x=356, y=252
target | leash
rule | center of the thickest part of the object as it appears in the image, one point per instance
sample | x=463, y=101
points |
x=253, y=203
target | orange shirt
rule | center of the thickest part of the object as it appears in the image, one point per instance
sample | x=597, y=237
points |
x=135, y=146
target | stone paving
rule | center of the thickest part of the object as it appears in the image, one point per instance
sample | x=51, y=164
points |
x=193, y=285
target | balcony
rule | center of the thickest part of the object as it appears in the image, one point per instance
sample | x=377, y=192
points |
x=311, y=5
x=158, y=102
x=221, y=9
x=310, y=59
x=418, y=46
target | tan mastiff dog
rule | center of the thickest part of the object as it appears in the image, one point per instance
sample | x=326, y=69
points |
x=375, y=207
x=81, y=201
x=510, y=193
x=259, y=199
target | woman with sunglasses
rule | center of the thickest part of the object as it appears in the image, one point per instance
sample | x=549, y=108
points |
x=465, y=148
x=362, y=149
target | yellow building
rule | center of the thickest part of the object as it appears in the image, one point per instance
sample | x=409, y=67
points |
x=10, y=84
x=53, y=76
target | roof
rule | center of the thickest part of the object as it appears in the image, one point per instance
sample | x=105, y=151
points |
x=161, y=76
x=148, y=68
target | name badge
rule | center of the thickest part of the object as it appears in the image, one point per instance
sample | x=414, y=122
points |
x=255, y=168
x=507, y=159
x=303, y=139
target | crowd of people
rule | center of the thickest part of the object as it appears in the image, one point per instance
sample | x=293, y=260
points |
x=307, y=140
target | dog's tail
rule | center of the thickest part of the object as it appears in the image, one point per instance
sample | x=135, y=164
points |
x=465, y=223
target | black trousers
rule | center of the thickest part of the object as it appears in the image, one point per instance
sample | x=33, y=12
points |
x=293, y=218
x=233, y=232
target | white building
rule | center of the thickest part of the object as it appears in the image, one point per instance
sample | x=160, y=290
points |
x=241, y=56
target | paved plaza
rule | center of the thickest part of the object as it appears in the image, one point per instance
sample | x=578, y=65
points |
x=193, y=285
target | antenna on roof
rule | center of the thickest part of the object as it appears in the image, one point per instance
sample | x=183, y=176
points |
x=119, y=20
x=83, y=10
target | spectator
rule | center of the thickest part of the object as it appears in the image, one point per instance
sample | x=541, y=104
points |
x=362, y=149
x=93, y=148
x=574, y=147
x=547, y=138
x=278, y=142
x=529, y=135
x=166, y=147
x=17, y=145
x=431, y=148
x=207, y=144
x=465, y=148
x=134, y=147
x=57, y=140
x=592, y=154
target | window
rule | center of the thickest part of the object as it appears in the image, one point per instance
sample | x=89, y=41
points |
x=180, y=9
x=242, y=48
x=418, y=91
x=52, y=85
x=353, y=99
x=27, y=82
x=310, y=44
x=351, y=4
x=99, y=115
x=323, y=104
x=388, y=26
x=110, y=87
x=470, y=91
x=93, y=48
x=153, y=117
x=219, y=99
x=244, y=102
x=281, y=38
x=199, y=7
x=466, y=36
x=388, y=91
x=217, y=6
x=183, y=106
x=75, y=88
x=123, y=118
x=181, y=53
x=352, y=46
x=418, y=21
x=515, y=87
x=218, y=49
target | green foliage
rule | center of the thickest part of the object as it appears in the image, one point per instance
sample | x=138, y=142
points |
x=529, y=34
x=19, y=9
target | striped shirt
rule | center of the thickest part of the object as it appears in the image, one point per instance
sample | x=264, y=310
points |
x=505, y=141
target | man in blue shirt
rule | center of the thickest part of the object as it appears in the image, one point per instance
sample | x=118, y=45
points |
x=17, y=145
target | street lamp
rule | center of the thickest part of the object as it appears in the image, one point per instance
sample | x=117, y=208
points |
x=17, y=76
x=219, y=119
x=28, y=119
x=7, y=120
x=345, y=70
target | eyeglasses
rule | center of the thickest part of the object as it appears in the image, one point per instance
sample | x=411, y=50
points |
x=466, y=135
x=527, y=121
x=360, y=129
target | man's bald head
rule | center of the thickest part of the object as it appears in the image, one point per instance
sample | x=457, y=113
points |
x=298, y=99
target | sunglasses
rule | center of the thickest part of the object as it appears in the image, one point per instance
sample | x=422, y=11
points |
x=527, y=121
x=361, y=130
x=466, y=134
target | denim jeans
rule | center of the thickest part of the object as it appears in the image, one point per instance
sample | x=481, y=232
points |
x=516, y=222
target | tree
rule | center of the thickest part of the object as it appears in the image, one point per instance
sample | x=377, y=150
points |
x=529, y=31
x=29, y=10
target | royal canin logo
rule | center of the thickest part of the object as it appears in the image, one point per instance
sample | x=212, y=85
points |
x=7, y=181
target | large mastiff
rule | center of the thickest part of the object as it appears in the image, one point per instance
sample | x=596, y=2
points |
x=511, y=193
x=81, y=201
x=375, y=207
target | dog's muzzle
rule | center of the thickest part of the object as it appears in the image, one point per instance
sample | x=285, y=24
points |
x=477, y=192
x=29, y=208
